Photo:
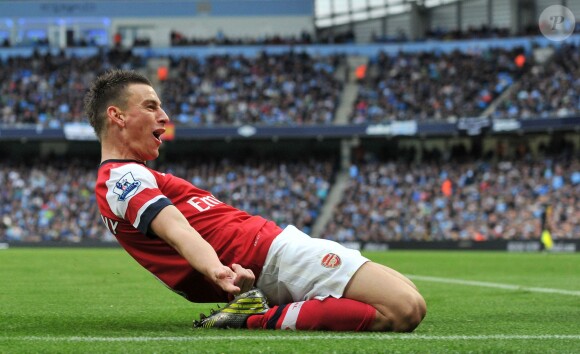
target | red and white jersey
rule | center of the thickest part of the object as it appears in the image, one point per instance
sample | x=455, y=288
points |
x=130, y=195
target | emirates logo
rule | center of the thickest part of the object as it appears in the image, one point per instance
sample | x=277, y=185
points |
x=331, y=260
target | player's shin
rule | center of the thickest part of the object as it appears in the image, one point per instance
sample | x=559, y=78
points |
x=330, y=314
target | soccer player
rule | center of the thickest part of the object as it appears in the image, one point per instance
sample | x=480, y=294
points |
x=208, y=251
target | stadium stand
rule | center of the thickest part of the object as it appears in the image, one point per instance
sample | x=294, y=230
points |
x=474, y=200
x=447, y=82
x=47, y=90
x=49, y=201
x=298, y=89
x=285, y=89
x=420, y=86
x=467, y=199
x=550, y=89
x=288, y=192
x=53, y=199
x=179, y=39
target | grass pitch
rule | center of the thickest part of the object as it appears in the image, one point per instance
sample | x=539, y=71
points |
x=100, y=300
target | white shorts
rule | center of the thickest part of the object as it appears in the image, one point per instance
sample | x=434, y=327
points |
x=299, y=267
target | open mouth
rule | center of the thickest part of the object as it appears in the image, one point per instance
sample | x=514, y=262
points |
x=157, y=134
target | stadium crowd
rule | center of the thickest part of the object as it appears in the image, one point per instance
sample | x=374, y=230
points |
x=284, y=191
x=284, y=89
x=177, y=38
x=47, y=90
x=550, y=90
x=430, y=85
x=44, y=201
x=474, y=200
x=288, y=89
x=53, y=200
x=472, y=32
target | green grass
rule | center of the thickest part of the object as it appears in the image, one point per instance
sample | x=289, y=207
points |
x=100, y=300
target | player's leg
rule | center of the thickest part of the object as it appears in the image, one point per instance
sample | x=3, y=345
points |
x=376, y=298
x=250, y=310
x=299, y=269
x=399, y=305
x=398, y=275
x=328, y=314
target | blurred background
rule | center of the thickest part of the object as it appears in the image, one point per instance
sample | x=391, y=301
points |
x=381, y=124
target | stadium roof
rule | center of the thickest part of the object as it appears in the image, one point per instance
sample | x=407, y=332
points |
x=336, y=12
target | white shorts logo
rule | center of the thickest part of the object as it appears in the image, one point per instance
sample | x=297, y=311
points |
x=331, y=260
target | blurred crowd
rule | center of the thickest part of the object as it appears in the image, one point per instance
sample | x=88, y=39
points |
x=431, y=85
x=474, y=200
x=49, y=201
x=293, y=88
x=284, y=89
x=550, y=90
x=287, y=192
x=47, y=90
x=472, y=32
x=53, y=200
x=179, y=39
x=477, y=200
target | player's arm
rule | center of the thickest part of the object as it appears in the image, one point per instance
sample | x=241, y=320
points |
x=171, y=226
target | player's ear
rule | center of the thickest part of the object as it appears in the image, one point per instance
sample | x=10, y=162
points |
x=116, y=116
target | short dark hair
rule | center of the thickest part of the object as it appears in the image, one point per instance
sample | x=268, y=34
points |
x=109, y=89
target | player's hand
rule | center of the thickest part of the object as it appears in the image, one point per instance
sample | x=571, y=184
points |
x=235, y=280
x=245, y=278
x=225, y=278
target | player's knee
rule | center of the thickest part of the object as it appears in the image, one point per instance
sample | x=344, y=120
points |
x=404, y=317
x=411, y=315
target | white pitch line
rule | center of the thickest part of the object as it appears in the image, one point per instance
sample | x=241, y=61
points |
x=362, y=336
x=494, y=285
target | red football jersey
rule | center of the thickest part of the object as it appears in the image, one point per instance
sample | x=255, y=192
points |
x=130, y=195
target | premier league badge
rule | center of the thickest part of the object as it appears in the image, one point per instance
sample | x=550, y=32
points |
x=126, y=186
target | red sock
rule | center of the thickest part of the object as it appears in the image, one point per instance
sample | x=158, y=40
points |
x=329, y=314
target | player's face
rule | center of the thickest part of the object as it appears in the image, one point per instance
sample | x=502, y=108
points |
x=145, y=122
